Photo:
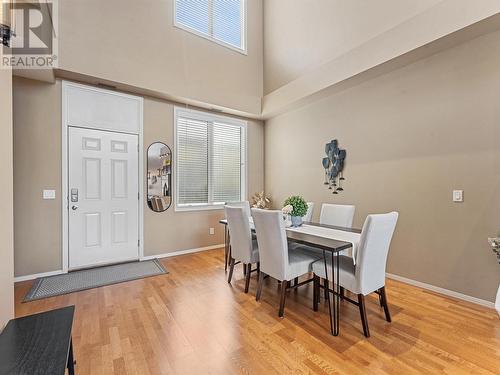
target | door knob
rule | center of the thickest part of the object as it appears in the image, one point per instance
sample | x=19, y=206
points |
x=74, y=208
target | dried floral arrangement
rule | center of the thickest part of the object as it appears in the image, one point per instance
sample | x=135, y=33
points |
x=495, y=246
x=261, y=200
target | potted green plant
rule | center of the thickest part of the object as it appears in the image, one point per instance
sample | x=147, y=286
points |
x=299, y=209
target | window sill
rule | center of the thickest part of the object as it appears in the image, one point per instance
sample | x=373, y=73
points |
x=199, y=208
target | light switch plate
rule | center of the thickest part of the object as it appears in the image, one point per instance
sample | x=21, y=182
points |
x=49, y=194
x=458, y=195
x=212, y=231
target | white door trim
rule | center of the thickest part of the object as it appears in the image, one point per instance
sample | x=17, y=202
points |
x=64, y=165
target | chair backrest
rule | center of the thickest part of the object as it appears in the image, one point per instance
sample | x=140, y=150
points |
x=309, y=213
x=373, y=249
x=273, y=245
x=240, y=235
x=339, y=215
x=243, y=204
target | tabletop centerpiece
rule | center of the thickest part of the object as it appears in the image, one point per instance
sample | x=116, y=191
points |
x=261, y=200
x=296, y=207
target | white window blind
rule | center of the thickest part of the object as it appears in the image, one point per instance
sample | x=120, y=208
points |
x=222, y=21
x=226, y=163
x=210, y=159
x=192, y=161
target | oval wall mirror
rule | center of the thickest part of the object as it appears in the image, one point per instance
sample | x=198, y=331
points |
x=159, y=177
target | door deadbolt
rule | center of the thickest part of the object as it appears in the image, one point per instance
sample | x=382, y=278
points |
x=74, y=195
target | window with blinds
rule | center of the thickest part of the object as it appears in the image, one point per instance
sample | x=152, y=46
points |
x=222, y=21
x=209, y=159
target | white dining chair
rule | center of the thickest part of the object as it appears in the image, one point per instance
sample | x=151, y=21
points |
x=368, y=275
x=276, y=259
x=244, y=249
x=339, y=215
x=308, y=216
x=242, y=204
x=246, y=206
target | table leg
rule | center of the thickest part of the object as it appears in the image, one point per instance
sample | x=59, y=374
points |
x=335, y=316
x=71, y=360
x=336, y=295
x=327, y=295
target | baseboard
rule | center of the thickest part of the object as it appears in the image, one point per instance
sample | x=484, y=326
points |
x=182, y=252
x=165, y=255
x=446, y=292
x=37, y=275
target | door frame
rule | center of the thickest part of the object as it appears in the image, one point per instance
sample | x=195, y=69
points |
x=65, y=123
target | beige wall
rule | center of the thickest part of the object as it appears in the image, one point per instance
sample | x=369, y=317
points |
x=135, y=43
x=170, y=230
x=6, y=221
x=37, y=155
x=302, y=34
x=412, y=136
x=37, y=166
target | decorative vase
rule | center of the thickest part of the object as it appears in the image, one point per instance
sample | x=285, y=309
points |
x=287, y=221
x=296, y=221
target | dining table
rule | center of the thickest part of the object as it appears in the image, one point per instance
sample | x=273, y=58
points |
x=328, y=238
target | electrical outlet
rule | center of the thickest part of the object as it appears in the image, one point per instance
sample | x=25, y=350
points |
x=49, y=194
x=212, y=231
x=458, y=195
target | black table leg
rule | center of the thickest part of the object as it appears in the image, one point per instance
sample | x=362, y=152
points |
x=335, y=316
x=336, y=294
x=71, y=361
x=327, y=295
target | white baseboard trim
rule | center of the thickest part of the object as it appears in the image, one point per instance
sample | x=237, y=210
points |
x=182, y=252
x=37, y=275
x=165, y=255
x=446, y=292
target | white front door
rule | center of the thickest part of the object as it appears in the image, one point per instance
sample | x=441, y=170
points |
x=103, y=197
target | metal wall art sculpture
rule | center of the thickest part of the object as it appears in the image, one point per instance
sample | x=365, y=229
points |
x=334, y=165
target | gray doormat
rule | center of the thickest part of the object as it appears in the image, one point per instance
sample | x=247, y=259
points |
x=75, y=281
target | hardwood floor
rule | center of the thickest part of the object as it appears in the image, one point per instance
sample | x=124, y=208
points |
x=192, y=321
